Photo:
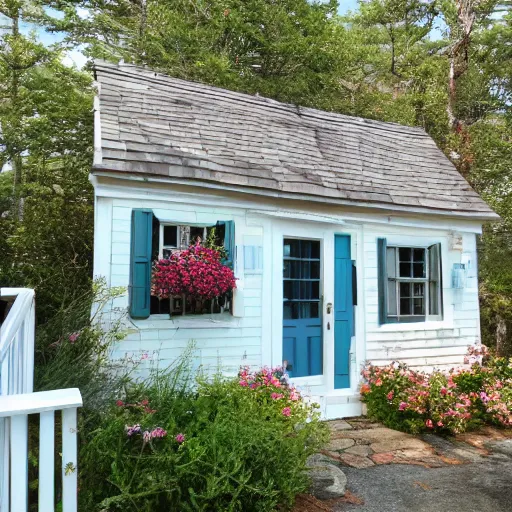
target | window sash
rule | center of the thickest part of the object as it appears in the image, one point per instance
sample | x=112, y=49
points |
x=180, y=245
x=431, y=282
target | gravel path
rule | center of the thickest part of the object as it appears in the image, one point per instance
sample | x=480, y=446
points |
x=476, y=487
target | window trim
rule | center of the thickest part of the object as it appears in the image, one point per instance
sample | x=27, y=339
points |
x=383, y=280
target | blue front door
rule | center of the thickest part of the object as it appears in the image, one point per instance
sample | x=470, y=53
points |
x=302, y=323
x=343, y=310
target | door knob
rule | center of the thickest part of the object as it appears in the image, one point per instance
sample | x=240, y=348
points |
x=329, y=308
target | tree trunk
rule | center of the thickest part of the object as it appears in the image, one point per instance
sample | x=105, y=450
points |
x=501, y=335
x=459, y=53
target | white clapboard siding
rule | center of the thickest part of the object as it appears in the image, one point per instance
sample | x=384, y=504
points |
x=423, y=346
x=225, y=342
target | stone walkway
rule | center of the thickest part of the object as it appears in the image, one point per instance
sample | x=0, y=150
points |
x=386, y=470
x=359, y=443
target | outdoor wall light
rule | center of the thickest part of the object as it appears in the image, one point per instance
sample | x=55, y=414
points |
x=459, y=274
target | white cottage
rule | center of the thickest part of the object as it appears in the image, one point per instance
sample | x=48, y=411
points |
x=351, y=240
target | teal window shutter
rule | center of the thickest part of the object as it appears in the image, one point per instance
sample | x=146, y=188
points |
x=229, y=241
x=383, y=280
x=139, y=290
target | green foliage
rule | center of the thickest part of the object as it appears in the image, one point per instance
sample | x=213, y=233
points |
x=440, y=402
x=73, y=349
x=240, y=451
x=46, y=200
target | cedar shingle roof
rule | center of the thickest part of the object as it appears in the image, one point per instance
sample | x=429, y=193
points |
x=155, y=125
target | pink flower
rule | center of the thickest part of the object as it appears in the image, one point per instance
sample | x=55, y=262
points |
x=73, y=337
x=158, y=432
x=276, y=396
x=440, y=424
x=120, y=403
x=378, y=382
x=294, y=396
x=286, y=411
x=243, y=383
x=429, y=424
x=180, y=438
x=130, y=431
x=389, y=396
x=444, y=391
x=402, y=406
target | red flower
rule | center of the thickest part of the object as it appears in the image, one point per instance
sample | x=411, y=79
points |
x=197, y=272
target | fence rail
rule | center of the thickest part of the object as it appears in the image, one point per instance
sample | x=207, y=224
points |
x=17, y=402
x=17, y=342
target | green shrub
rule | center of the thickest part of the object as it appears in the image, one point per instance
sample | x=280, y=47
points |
x=227, y=444
x=450, y=402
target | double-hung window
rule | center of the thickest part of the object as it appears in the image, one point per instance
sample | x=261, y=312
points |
x=152, y=239
x=410, y=283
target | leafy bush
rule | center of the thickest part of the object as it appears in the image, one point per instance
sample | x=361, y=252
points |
x=73, y=349
x=450, y=402
x=230, y=444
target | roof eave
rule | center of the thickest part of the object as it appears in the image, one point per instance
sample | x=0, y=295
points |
x=481, y=216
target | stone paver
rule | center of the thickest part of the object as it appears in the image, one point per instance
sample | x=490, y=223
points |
x=340, y=444
x=362, y=450
x=367, y=448
x=355, y=461
x=340, y=425
x=360, y=443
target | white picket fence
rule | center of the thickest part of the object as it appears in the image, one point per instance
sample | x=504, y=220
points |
x=17, y=401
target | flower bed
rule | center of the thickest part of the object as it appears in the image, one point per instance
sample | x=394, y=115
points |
x=232, y=444
x=451, y=402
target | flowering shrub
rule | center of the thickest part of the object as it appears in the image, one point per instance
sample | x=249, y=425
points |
x=235, y=444
x=451, y=402
x=196, y=272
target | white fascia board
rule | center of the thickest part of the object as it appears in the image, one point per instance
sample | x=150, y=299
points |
x=144, y=189
x=277, y=194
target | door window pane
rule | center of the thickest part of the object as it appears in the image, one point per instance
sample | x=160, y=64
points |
x=301, y=279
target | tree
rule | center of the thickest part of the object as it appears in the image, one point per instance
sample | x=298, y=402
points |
x=46, y=141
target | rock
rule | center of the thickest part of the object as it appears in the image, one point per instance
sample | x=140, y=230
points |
x=361, y=450
x=399, y=443
x=331, y=455
x=339, y=425
x=340, y=444
x=317, y=459
x=355, y=461
x=383, y=458
x=327, y=480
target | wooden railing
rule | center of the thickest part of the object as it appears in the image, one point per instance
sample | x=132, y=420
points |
x=17, y=401
x=14, y=410
x=17, y=342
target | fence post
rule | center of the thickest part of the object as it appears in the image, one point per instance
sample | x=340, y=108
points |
x=69, y=461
